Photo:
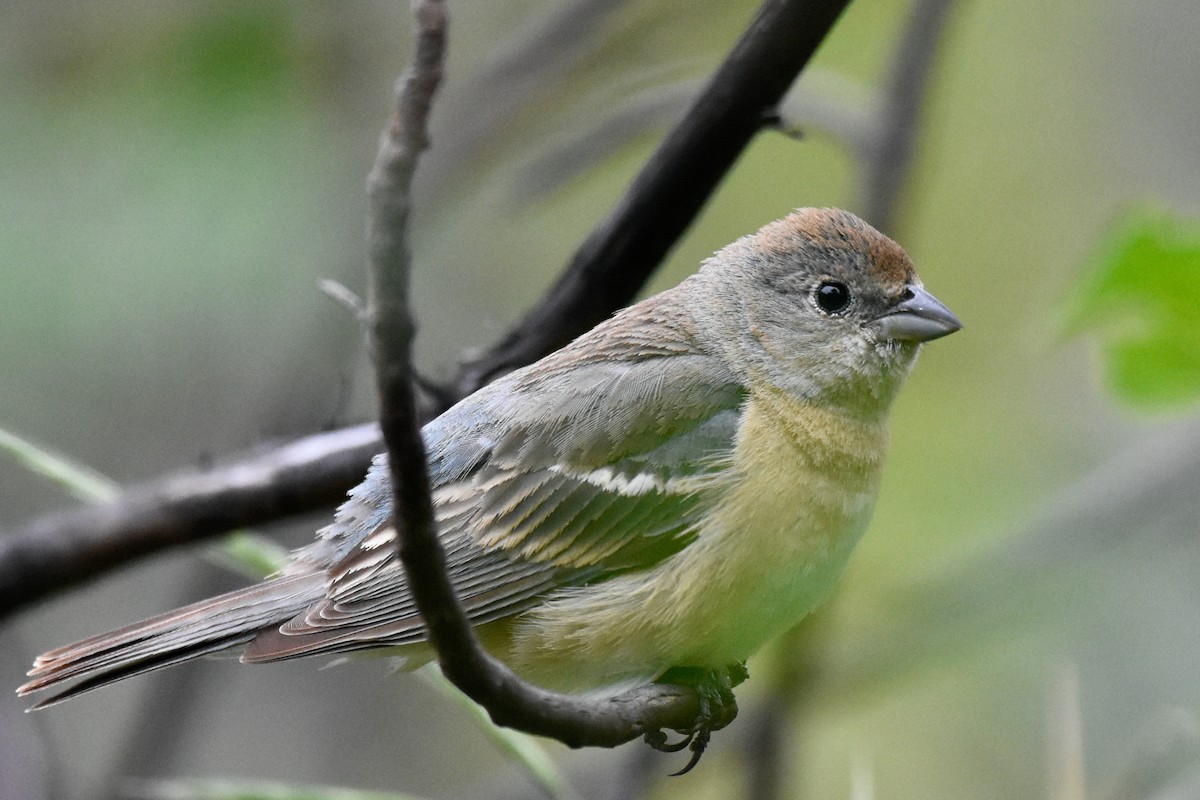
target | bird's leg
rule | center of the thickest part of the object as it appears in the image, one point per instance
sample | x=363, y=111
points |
x=718, y=707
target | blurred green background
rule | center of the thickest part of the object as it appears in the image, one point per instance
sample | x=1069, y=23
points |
x=178, y=177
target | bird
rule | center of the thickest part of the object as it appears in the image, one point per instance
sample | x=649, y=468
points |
x=671, y=490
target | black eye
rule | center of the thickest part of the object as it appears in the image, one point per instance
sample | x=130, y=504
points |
x=832, y=296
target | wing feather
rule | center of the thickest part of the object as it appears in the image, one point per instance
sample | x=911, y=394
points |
x=588, y=463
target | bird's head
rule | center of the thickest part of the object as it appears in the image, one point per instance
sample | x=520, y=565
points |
x=821, y=305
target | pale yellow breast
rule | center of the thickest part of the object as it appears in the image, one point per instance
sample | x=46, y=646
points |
x=782, y=521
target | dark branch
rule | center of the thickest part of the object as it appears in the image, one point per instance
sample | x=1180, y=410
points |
x=606, y=272
x=61, y=550
x=614, y=261
x=575, y=721
x=392, y=328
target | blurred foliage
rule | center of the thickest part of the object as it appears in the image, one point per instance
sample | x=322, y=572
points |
x=180, y=176
x=520, y=748
x=1142, y=298
x=82, y=481
x=251, y=554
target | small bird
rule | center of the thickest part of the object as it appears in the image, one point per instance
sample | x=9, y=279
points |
x=669, y=491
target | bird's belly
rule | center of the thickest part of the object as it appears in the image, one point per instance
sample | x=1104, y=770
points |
x=771, y=549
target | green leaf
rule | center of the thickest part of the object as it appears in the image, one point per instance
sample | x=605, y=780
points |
x=80, y=480
x=1141, y=299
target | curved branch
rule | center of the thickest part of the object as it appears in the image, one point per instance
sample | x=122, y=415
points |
x=64, y=549
x=573, y=720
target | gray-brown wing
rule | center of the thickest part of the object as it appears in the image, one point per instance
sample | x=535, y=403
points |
x=557, y=475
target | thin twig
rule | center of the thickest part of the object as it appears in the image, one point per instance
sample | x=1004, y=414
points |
x=1064, y=737
x=573, y=720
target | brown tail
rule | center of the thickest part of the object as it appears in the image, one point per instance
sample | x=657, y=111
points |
x=190, y=632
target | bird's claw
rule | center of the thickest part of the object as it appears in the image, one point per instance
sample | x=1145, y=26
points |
x=718, y=707
x=699, y=742
x=658, y=740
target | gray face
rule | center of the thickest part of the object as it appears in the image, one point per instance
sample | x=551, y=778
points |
x=824, y=308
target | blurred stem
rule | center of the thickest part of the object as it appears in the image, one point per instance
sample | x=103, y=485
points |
x=517, y=747
x=82, y=481
x=1064, y=737
x=887, y=162
x=770, y=747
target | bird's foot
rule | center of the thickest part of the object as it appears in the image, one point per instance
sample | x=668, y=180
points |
x=718, y=707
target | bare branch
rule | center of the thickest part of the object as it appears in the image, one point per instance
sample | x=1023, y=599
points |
x=565, y=160
x=509, y=701
x=60, y=550
x=392, y=328
x=615, y=260
x=606, y=272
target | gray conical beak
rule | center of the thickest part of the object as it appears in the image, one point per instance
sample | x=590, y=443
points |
x=919, y=317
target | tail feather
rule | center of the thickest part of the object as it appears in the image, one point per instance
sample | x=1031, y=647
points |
x=200, y=629
x=129, y=669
